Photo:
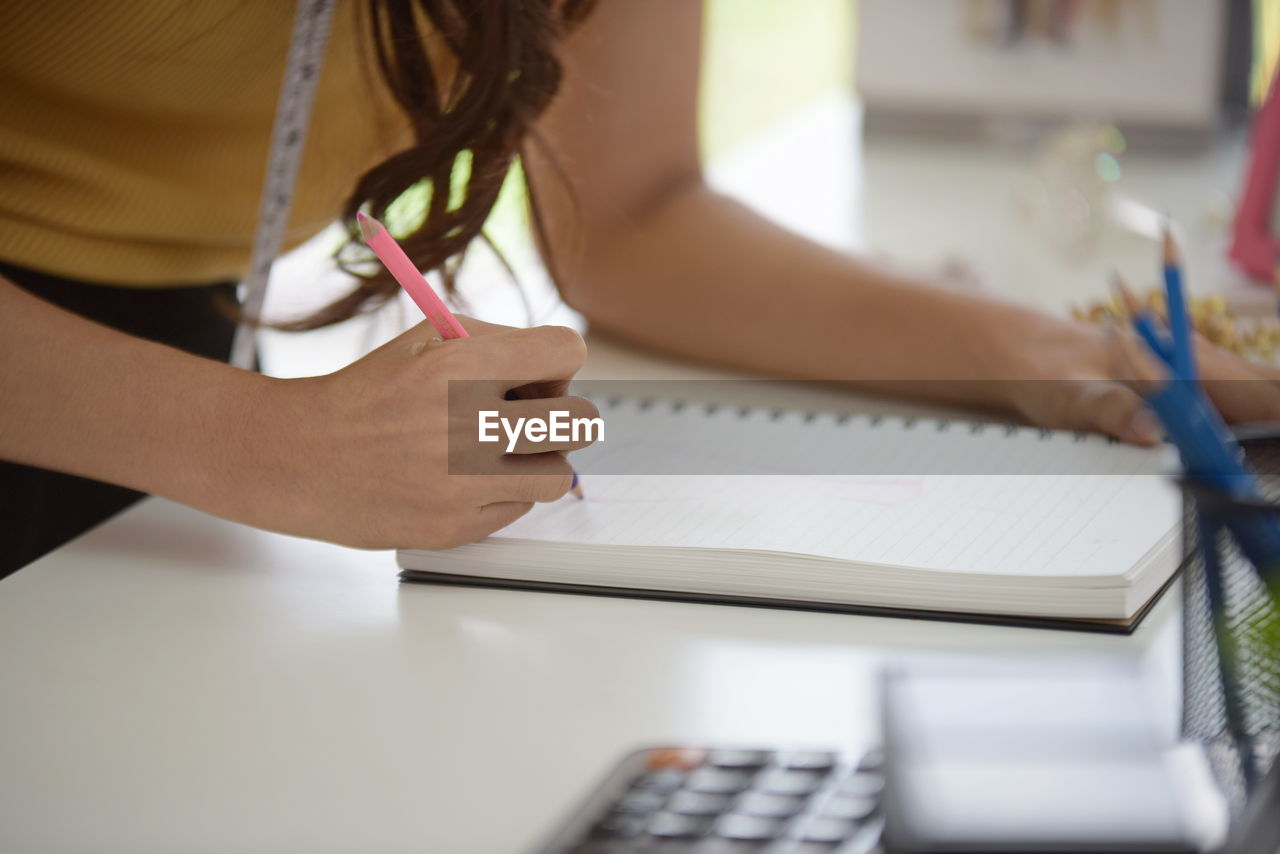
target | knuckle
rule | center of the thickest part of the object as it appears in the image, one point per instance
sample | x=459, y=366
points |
x=566, y=340
x=562, y=480
x=1116, y=400
x=547, y=487
x=580, y=407
x=561, y=484
x=530, y=489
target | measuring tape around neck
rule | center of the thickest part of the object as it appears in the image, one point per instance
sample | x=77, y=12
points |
x=288, y=136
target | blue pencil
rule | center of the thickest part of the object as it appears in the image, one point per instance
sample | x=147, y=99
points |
x=1143, y=322
x=1184, y=356
x=1206, y=445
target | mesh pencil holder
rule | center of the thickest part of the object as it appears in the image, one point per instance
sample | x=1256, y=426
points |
x=1231, y=629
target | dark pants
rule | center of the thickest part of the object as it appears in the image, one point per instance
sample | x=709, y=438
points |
x=40, y=509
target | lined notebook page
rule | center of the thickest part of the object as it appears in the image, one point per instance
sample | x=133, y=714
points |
x=1082, y=526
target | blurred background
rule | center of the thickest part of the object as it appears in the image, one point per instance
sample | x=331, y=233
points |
x=1026, y=147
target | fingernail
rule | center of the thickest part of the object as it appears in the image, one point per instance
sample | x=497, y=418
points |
x=1145, y=427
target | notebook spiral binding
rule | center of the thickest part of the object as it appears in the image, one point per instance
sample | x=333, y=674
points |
x=976, y=426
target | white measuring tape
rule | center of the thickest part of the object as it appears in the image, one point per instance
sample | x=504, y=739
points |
x=288, y=136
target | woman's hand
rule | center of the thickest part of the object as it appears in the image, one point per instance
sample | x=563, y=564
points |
x=359, y=457
x=384, y=453
x=1088, y=379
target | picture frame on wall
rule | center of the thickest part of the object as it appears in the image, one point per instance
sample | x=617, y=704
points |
x=1152, y=68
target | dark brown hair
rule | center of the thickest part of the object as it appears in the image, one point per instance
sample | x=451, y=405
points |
x=465, y=136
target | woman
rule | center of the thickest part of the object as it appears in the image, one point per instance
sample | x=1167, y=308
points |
x=132, y=150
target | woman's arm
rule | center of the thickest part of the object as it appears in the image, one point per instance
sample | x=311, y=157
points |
x=649, y=252
x=361, y=457
x=82, y=398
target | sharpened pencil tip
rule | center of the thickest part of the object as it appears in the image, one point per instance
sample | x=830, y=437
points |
x=1168, y=246
x=575, y=488
x=369, y=227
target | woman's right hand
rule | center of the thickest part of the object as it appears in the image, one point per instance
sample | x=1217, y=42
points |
x=384, y=453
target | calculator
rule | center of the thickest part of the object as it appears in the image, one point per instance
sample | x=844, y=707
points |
x=689, y=800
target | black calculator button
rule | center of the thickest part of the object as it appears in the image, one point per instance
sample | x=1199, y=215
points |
x=699, y=803
x=718, y=781
x=872, y=760
x=741, y=759
x=619, y=826
x=769, y=806
x=811, y=761
x=659, y=781
x=829, y=830
x=669, y=825
x=747, y=827
x=862, y=785
x=788, y=783
x=851, y=807
x=639, y=802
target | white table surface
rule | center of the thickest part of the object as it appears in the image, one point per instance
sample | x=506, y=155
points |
x=174, y=682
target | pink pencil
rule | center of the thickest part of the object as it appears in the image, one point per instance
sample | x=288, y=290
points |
x=410, y=278
x=404, y=272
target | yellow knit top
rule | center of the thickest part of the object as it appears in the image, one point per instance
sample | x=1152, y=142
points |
x=134, y=133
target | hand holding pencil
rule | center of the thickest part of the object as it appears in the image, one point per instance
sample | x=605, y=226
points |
x=1242, y=390
x=437, y=313
x=1206, y=446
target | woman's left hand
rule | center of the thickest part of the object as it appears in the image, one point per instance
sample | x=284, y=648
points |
x=1089, y=379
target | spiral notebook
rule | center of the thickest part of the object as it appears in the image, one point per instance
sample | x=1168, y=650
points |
x=954, y=520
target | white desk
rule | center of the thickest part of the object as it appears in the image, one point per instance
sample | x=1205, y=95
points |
x=172, y=682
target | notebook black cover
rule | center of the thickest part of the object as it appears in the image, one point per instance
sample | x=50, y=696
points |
x=1083, y=625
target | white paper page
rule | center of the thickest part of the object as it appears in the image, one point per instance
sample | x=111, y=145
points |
x=1071, y=525
x=1030, y=525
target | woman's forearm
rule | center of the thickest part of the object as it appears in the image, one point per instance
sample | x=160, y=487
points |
x=362, y=456
x=701, y=276
x=82, y=398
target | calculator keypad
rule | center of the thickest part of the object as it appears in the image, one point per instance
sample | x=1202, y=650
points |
x=843, y=806
x=770, y=805
x=688, y=802
x=735, y=826
x=751, y=760
x=743, y=802
x=718, y=782
x=800, y=783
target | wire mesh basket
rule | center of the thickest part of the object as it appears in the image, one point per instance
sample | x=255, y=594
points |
x=1231, y=630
